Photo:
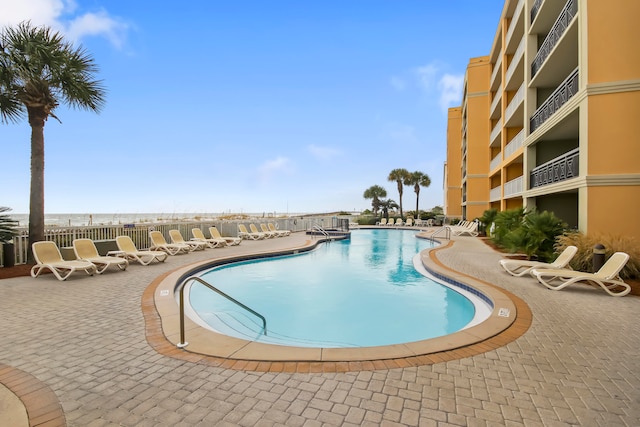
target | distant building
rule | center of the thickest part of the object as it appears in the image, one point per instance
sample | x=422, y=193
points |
x=550, y=119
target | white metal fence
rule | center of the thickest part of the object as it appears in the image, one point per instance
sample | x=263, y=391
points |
x=139, y=233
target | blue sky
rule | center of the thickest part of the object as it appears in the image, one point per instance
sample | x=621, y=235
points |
x=250, y=106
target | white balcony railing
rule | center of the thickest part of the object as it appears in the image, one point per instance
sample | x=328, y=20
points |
x=495, y=162
x=495, y=132
x=514, y=144
x=495, y=194
x=514, y=19
x=514, y=62
x=496, y=68
x=513, y=187
x=496, y=98
x=515, y=102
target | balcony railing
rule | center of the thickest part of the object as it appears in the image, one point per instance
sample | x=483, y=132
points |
x=496, y=98
x=495, y=132
x=514, y=144
x=514, y=19
x=558, y=98
x=515, y=102
x=495, y=162
x=535, y=8
x=496, y=68
x=568, y=12
x=514, y=61
x=559, y=169
x=513, y=187
x=495, y=194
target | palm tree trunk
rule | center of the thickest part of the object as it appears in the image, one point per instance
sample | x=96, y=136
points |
x=400, y=194
x=36, y=198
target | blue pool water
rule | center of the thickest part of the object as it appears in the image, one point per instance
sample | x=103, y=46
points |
x=354, y=293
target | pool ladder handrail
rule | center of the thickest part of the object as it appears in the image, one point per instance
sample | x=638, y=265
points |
x=181, y=287
x=322, y=231
x=447, y=232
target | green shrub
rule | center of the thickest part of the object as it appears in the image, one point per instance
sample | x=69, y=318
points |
x=507, y=222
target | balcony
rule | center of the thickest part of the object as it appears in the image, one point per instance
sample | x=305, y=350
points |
x=514, y=144
x=535, y=8
x=567, y=89
x=494, y=136
x=517, y=99
x=559, y=169
x=496, y=70
x=513, y=188
x=495, y=162
x=495, y=194
x=497, y=96
x=517, y=57
x=562, y=23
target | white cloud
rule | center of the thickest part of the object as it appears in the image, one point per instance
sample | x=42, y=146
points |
x=427, y=75
x=271, y=167
x=59, y=15
x=450, y=87
x=323, y=153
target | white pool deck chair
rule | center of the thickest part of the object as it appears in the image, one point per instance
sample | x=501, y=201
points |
x=48, y=257
x=468, y=228
x=177, y=239
x=231, y=241
x=607, y=277
x=253, y=229
x=245, y=234
x=275, y=229
x=212, y=242
x=269, y=233
x=517, y=267
x=383, y=221
x=86, y=250
x=159, y=243
x=127, y=249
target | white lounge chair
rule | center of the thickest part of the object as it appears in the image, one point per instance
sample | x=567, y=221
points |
x=245, y=234
x=127, y=249
x=607, y=277
x=268, y=232
x=177, y=239
x=391, y=221
x=159, y=243
x=231, y=241
x=281, y=233
x=199, y=236
x=86, y=250
x=517, y=267
x=409, y=222
x=399, y=222
x=383, y=221
x=48, y=257
x=468, y=228
x=254, y=230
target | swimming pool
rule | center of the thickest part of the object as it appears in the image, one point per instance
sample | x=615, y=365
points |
x=354, y=293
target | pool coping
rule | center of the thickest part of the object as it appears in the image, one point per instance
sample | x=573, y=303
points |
x=509, y=319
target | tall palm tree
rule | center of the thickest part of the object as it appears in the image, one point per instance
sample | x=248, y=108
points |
x=399, y=176
x=418, y=179
x=38, y=71
x=375, y=192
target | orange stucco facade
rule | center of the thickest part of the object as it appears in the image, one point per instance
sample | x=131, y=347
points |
x=561, y=117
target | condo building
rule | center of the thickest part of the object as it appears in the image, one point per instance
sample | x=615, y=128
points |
x=550, y=119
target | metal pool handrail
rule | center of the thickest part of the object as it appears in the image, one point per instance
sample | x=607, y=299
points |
x=318, y=228
x=181, y=287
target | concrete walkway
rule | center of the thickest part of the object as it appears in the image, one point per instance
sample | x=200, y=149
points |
x=84, y=341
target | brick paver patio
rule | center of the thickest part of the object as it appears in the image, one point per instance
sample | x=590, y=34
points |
x=83, y=342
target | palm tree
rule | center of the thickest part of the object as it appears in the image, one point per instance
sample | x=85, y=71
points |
x=418, y=179
x=7, y=226
x=386, y=205
x=38, y=71
x=399, y=176
x=375, y=192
